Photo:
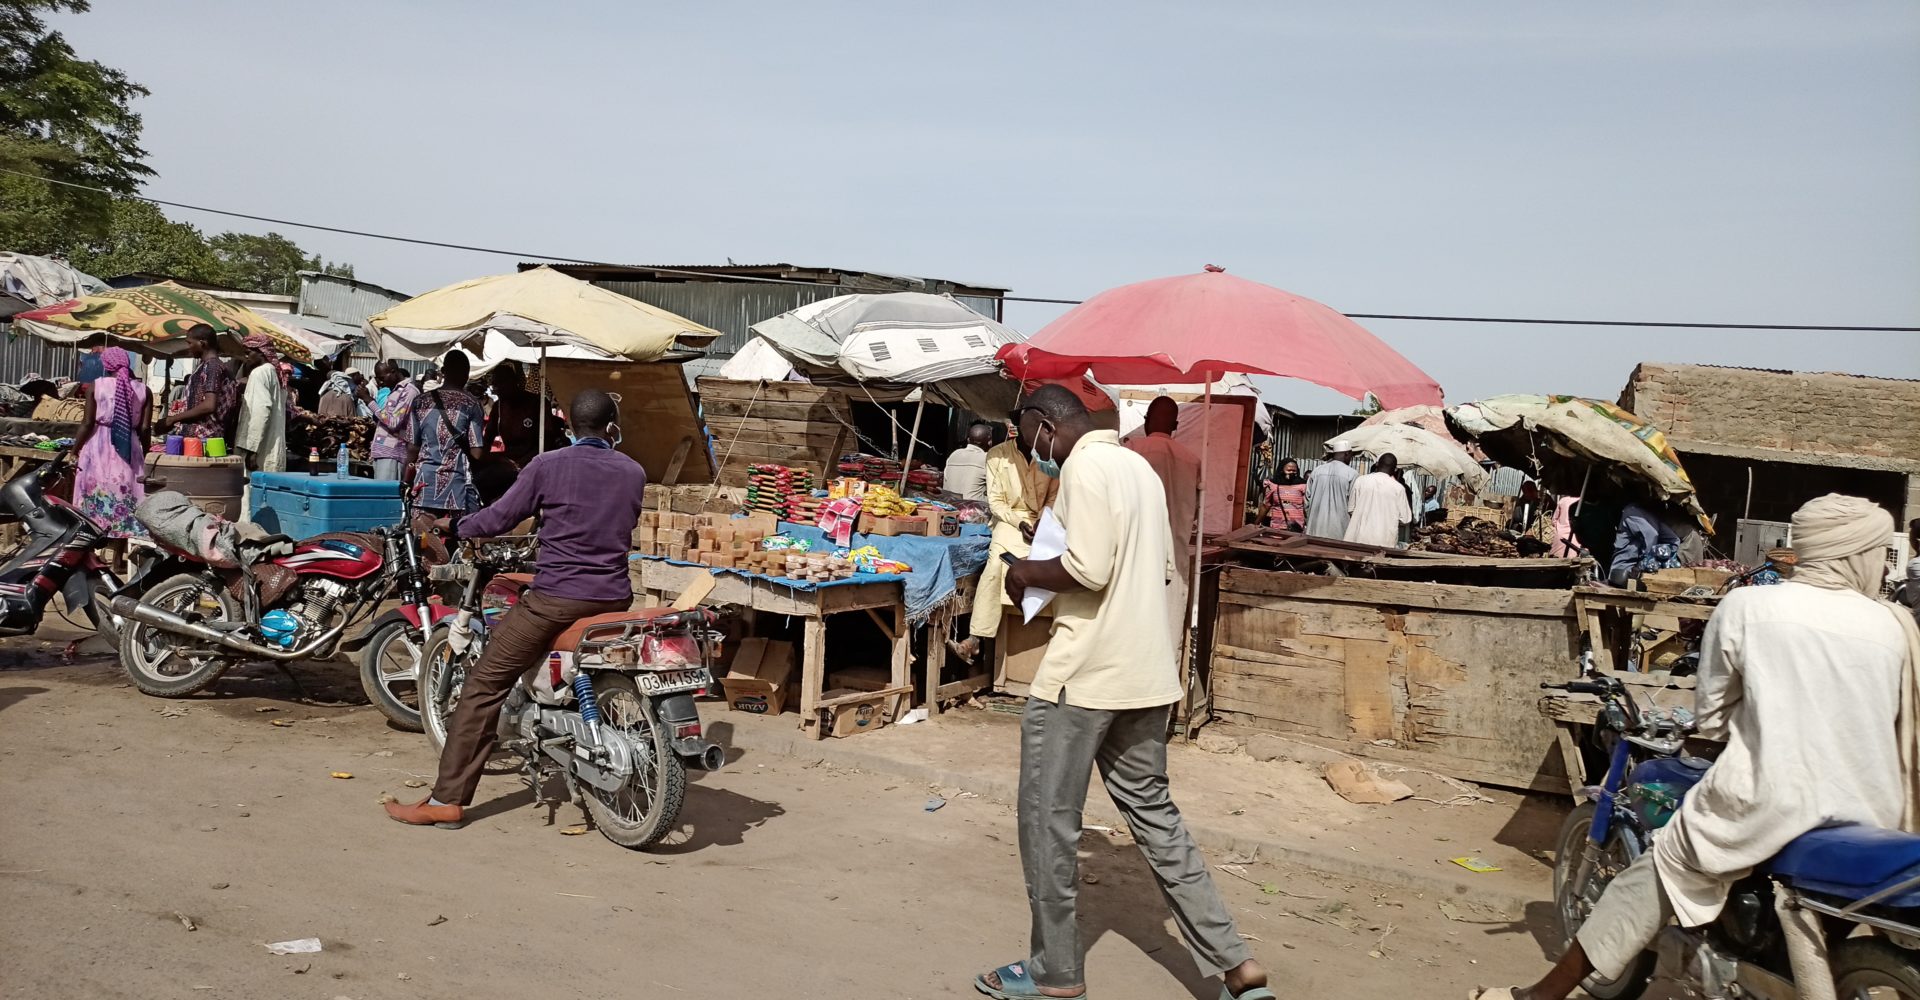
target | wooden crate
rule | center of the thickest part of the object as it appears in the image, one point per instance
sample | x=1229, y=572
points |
x=784, y=423
x=1437, y=676
x=1679, y=581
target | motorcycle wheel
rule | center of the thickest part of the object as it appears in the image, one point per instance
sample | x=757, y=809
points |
x=1572, y=903
x=1871, y=967
x=646, y=808
x=391, y=666
x=442, y=672
x=149, y=655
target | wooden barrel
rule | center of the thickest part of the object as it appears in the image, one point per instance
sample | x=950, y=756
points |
x=214, y=485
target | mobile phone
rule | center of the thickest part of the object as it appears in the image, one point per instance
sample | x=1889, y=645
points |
x=1009, y=558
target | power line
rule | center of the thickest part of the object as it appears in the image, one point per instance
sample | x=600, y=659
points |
x=762, y=279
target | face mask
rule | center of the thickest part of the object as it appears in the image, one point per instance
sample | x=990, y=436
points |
x=1046, y=465
x=613, y=435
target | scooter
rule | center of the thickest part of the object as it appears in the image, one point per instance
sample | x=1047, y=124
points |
x=1862, y=883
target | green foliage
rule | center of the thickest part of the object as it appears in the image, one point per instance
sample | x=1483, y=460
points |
x=267, y=263
x=140, y=237
x=62, y=118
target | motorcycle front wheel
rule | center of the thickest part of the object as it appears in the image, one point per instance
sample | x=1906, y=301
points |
x=1574, y=897
x=648, y=805
x=442, y=673
x=391, y=667
x=155, y=660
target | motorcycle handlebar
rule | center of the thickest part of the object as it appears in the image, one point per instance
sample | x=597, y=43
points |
x=1576, y=687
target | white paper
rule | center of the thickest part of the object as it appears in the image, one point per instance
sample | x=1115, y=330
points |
x=1049, y=541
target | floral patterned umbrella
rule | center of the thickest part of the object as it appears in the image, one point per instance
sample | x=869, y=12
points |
x=153, y=320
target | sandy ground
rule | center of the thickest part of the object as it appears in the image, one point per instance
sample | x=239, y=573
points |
x=129, y=818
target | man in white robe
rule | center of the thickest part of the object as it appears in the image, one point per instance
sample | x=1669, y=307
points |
x=1378, y=505
x=1328, y=491
x=260, y=434
x=1812, y=685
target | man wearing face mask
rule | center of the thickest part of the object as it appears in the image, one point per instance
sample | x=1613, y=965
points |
x=588, y=498
x=1100, y=699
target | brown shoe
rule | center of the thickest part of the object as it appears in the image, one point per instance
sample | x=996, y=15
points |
x=421, y=813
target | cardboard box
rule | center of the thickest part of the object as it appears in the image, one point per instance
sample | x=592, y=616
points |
x=756, y=682
x=855, y=717
x=890, y=526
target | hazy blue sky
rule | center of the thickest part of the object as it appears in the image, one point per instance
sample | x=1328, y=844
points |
x=1746, y=161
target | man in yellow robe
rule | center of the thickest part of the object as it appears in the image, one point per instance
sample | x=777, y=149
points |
x=1016, y=493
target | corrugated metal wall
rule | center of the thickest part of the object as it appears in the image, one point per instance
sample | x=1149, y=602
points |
x=25, y=354
x=341, y=299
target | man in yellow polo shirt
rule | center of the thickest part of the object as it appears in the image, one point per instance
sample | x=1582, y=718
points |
x=1101, y=697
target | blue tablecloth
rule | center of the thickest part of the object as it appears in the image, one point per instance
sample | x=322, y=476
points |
x=939, y=563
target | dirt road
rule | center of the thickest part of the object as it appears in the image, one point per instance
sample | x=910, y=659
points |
x=127, y=818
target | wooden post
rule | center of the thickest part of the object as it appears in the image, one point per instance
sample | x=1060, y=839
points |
x=902, y=637
x=813, y=674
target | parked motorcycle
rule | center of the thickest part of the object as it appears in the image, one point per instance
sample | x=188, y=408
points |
x=254, y=598
x=58, y=556
x=392, y=646
x=1863, y=882
x=611, y=712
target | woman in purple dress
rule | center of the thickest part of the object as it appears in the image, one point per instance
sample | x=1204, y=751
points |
x=112, y=448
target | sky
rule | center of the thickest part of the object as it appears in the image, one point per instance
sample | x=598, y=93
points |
x=1743, y=161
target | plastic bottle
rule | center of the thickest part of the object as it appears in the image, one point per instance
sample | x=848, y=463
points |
x=313, y=461
x=340, y=462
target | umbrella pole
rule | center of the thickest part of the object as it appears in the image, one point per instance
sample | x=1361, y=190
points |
x=913, y=436
x=1199, y=533
x=542, y=446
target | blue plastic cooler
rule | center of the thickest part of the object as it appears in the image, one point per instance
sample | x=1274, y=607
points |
x=301, y=505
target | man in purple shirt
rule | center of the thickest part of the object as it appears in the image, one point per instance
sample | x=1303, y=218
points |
x=588, y=498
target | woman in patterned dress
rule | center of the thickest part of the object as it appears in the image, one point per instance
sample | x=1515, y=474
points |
x=448, y=437
x=112, y=448
x=1284, y=503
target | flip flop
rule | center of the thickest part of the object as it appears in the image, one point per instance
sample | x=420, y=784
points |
x=1252, y=993
x=1015, y=984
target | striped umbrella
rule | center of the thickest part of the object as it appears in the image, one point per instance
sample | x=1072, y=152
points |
x=153, y=320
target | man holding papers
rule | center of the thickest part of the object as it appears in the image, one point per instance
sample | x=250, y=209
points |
x=1100, y=698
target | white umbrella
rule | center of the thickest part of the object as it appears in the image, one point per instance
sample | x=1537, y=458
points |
x=1416, y=446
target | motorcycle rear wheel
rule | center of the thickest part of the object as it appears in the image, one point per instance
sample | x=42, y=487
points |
x=1572, y=903
x=646, y=808
x=145, y=651
x=1875, y=968
x=391, y=668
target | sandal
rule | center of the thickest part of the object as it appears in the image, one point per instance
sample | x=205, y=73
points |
x=955, y=647
x=1015, y=984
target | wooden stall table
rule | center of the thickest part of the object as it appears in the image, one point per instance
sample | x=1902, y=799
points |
x=1611, y=618
x=939, y=626
x=16, y=459
x=882, y=600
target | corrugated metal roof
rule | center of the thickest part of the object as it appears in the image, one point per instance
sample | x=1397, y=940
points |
x=343, y=300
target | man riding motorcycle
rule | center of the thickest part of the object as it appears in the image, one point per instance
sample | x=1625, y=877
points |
x=589, y=498
x=1812, y=685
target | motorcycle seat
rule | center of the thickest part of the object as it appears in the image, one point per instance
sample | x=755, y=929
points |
x=569, y=640
x=1852, y=862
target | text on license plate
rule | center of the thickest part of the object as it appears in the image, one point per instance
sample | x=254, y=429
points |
x=671, y=681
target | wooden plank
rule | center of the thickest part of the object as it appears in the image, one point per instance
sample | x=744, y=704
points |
x=1244, y=582
x=1369, y=703
x=679, y=459
x=1466, y=769
x=777, y=409
x=902, y=637
x=1571, y=760
x=720, y=388
x=978, y=682
x=813, y=674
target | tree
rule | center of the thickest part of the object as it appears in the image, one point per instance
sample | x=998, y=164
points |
x=62, y=118
x=140, y=237
x=269, y=263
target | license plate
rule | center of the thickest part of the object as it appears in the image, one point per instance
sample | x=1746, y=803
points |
x=673, y=681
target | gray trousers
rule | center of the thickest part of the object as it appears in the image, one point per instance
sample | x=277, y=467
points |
x=1059, y=747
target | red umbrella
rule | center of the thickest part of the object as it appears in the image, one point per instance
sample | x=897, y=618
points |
x=1197, y=327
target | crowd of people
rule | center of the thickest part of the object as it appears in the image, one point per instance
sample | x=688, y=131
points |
x=456, y=443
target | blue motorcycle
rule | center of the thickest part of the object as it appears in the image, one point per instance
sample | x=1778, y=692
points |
x=1862, y=882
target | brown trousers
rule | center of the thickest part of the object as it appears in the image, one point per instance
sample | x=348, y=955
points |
x=524, y=638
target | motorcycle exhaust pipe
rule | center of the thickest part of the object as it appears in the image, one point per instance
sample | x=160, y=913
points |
x=146, y=614
x=714, y=757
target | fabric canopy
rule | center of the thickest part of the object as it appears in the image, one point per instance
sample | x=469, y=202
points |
x=153, y=320
x=1197, y=327
x=1523, y=430
x=30, y=282
x=541, y=306
x=1413, y=445
x=908, y=338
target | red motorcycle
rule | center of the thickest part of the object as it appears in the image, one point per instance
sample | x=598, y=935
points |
x=239, y=594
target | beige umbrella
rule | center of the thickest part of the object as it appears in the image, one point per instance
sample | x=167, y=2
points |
x=1416, y=446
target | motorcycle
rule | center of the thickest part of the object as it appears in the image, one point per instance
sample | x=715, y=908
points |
x=391, y=645
x=57, y=557
x=264, y=597
x=611, y=711
x=1862, y=882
